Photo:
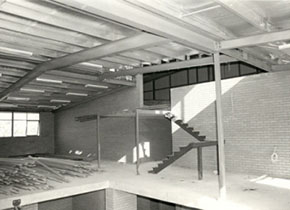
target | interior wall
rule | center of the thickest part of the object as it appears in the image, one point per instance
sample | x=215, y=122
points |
x=44, y=143
x=256, y=123
x=117, y=134
x=88, y=201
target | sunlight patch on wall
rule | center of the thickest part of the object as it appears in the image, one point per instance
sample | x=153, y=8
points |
x=192, y=100
x=144, y=151
x=123, y=159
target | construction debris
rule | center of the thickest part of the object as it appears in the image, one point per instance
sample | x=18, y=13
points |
x=39, y=173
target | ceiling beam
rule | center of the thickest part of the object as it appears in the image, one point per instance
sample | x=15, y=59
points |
x=196, y=22
x=247, y=58
x=136, y=17
x=130, y=43
x=54, y=16
x=168, y=66
x=244, y=11
x=254, y=40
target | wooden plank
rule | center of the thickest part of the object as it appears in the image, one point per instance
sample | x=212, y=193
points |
x=220, y=131
x=135, y=42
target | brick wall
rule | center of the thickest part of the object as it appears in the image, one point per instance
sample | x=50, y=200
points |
x=119, y=200
x=14, y=146
x=256, y=111
x=117, y=135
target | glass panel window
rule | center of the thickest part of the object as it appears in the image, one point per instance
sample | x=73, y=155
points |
x=32, y=128
x=19, y=128
x=32, y=116
x=5, y=115
x=19, y=124
x=5, y=128
x=5, y=124
x=20, y=115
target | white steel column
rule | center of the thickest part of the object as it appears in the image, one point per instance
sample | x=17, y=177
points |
x=220, y=131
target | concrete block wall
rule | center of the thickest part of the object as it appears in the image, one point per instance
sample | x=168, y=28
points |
x=13, y=146
x=256, y=122
x=88, y=201
x=117, y=134
x=119, y=200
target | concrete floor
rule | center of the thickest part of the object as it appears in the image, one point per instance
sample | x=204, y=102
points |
x=175, y=185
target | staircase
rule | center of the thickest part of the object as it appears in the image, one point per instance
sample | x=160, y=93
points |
x=183, y=150
x=176, y=155
x=185, y=127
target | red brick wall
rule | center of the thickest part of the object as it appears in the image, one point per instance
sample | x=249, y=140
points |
x=256, y=111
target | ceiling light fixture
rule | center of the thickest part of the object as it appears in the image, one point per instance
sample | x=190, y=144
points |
x=59, y=101
x=284, y=46
x=48, y=80
x=76, y=94
x=46, y=106
x=8, y=105
x=96, y=86
x=92, y=64
x=16, y=51
x=32, y=90
x=17, y=98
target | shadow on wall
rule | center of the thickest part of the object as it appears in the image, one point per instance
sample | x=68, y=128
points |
x=256, y=124
x=118, y=139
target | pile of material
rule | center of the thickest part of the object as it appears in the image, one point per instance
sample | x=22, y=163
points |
x=39, y=173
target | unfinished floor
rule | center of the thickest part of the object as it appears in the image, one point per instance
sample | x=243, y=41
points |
x=175, y=185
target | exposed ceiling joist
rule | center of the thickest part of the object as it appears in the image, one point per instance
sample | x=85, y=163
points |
x=169, y=66
x=254, y=40
x=201, y=23
x=245, y=11
x=130, y=43
x=247, y=58
x=133, y=16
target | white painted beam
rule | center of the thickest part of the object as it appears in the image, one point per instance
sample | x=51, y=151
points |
x=131, y=43
x=168, y=66
x=197, y=23
x=245, y=11
x=247, y=58
x=254, y=40
x=220, y=130
x=136, y=17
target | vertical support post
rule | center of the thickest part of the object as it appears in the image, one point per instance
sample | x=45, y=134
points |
x=137, y=140
x=220, y=131
x=199, y=163
x=98, y=141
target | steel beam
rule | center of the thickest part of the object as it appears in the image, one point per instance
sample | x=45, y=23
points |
x=131, y=43
x=220, y=130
